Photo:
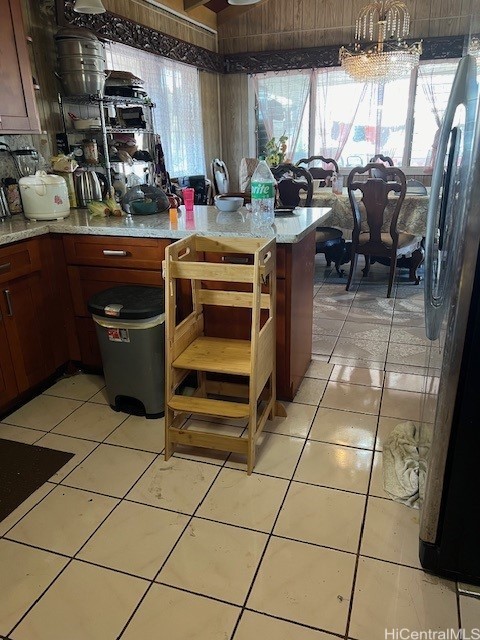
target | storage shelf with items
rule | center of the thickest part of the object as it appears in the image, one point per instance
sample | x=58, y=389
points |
x=114, y=134
x=219, y=272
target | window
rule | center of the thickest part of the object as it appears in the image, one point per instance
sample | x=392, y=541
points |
x=352, y=121
x=174, y=88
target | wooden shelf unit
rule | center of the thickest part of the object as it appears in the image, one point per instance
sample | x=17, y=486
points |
x=189, y=350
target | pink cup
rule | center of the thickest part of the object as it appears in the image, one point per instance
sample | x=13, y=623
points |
x=188, y=194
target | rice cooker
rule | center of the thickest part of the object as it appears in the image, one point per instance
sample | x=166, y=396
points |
x=44, y=196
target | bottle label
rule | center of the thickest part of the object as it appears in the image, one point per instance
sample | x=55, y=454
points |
x=263, y=190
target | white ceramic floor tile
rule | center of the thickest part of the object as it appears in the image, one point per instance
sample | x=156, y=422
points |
x=310, y=391
x=470, y=615
x=63, y=521
x=177, y=484
x=26, y=573
x=181, y=616
x=110, y=470
x=20, y=434
x=80, y=448
x=330, y=465
x=215, y=560
x=321, y=601
x=365, y=331
x=238, y=499
x=407, y=405
x=389, y=596
x=297, y=423
x=409, y=354
x=357, y=375
x=408, y=319
x=409, y=335
x=84, y=602
x=349, y=397
x=376, y=484
x=80, y=386
x=326, y=327
x=322, y=516
x=258, y=626
x=100, y=397
x=385, y=427
x=344, y=427
x=359, y=313
x=32, y=500
x=135, y=538
x=139, y=433
x=391, y=532
x=202, y=454
x=90, y=421
x=323, y=345
x=318, y=369
x=361, y=349
x=356, y=362
x=276, y=455
x=411, y=382
x=43, y=412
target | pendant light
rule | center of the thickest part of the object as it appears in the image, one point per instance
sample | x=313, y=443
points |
x=89, y=6
x=242, y=2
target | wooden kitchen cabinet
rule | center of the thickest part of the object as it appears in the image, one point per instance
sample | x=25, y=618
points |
x=18, y=109
x=8, y=384
x=96, y=263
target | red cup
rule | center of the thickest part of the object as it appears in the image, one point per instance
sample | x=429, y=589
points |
x=188, y=195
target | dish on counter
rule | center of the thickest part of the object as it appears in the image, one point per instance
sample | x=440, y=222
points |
x=284, y=211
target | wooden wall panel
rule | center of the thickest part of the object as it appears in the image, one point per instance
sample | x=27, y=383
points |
x=234, y=123
x=283, y=24
x=209, y=87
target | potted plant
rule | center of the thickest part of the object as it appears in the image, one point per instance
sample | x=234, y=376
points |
x=276, y=151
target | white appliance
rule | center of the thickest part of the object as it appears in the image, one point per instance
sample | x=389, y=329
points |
x=44, y=196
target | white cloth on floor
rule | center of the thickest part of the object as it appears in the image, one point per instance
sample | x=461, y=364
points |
x=404, y=464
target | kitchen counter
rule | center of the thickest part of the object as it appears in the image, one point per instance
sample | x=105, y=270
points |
x=205, y=220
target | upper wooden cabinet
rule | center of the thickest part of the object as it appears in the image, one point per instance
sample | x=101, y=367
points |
x=18, y=109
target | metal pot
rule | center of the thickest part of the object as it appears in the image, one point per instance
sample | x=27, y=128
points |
x=77, y=47
x=87, y=187
x=87, y=63
x=76, y=83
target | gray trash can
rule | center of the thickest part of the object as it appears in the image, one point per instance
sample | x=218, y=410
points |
x=130, y=325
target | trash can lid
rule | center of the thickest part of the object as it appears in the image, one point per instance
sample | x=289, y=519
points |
x=129, y=302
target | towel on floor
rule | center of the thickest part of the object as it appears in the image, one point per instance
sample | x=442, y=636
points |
x=404, y=464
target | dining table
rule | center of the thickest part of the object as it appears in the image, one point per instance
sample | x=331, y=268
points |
x=412, y=218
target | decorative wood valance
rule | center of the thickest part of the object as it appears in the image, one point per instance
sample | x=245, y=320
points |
x=119, y=29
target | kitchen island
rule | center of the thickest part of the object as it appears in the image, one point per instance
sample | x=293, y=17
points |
x=98, y=253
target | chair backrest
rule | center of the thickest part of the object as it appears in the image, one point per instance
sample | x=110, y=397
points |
x=291, y=180
x=320, y=173
x=221, y=179
x=245, y=173
x=415, y=186
x=200, y=186
x=386, y=160
x=375, y=199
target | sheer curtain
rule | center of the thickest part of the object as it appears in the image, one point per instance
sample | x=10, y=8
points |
x=175, y=89
x=434, y=83
x=282, y=98
x=337, y=103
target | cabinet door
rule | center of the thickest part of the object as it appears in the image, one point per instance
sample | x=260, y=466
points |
x=8, y=385
x=18, y=110
x=26, y=324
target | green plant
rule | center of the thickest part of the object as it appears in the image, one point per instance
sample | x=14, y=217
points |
x=276, y=151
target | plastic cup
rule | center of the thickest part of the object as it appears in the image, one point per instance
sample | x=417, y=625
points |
x=188, y=195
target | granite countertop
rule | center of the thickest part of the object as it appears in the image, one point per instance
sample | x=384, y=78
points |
x=204, y=221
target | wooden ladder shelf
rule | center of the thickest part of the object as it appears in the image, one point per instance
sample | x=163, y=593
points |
x=212, y=267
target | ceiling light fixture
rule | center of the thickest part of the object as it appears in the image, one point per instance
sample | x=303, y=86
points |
x=89, y=6
x=380, y=53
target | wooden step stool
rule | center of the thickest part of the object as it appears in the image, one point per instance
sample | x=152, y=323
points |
x=188, y=349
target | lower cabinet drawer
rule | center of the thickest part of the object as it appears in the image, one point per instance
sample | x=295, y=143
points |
x=111, y=251
x=19, y=259
x=85, y=281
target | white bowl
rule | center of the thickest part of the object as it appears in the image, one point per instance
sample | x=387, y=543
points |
x=228, y=203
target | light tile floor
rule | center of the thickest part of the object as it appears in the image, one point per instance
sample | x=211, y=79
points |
x=120, y=544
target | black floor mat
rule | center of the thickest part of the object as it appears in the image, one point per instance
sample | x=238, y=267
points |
x=23, y=469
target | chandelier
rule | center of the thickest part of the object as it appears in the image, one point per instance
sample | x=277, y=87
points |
x=380, y=52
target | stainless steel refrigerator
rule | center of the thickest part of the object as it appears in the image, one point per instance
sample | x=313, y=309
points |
x=450, y=512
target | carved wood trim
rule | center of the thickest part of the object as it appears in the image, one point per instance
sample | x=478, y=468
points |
x=119, y=29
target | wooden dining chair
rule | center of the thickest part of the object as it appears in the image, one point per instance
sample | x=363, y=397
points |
x=368, y=238
x=379, y=171
x=221, y=182
x=291, y=180
x=320, y=173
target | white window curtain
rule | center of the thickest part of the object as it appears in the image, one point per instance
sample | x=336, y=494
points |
x=336, y=106
x=282, y=99
x=175, y=89
x=434, y=84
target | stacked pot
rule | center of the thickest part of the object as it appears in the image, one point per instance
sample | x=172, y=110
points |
x=81, y=61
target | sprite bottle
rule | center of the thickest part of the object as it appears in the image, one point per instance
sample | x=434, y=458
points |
x=263, y=196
